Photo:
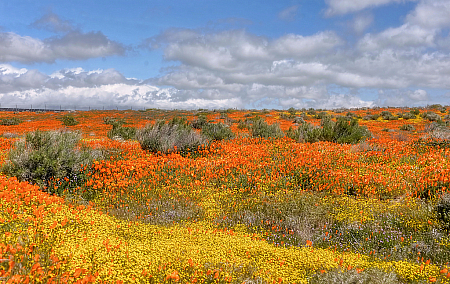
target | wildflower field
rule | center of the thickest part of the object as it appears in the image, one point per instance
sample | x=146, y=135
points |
x=254, y=196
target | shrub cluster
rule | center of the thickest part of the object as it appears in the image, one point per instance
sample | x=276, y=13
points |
x=443, y=211
x=10, y=121
x=431, y=116
x=261, y=129
x=408, y=115
x=341, y=131
x=371, y=117
x=407, y=127
x=386, y=115
x=68, y=120
x=217, y=131
x=175, y=135
x=50, y=158
x=118, y=131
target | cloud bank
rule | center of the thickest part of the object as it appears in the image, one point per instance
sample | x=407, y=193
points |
x=236, y=68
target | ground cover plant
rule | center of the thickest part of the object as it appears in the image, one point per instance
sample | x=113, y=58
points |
x=226, y=196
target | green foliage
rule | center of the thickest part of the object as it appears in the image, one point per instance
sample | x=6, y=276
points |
x=217, y=131
x=50, y=158
x=321, y=115
x=371, y=117
x=10, y=121
x=261, y=129
x=408, y=115
x=407, y=127
x=442, y=209
x=199, y=122
x=386, y=115
x=242, y=125
x=431, y=116
x=292, y=111
x=175, y=135
x=118, y=131
x=345, y=276
x=341, y=131
x=69, y=120
x=415, y=112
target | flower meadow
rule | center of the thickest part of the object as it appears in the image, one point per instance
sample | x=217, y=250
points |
x=246, y=209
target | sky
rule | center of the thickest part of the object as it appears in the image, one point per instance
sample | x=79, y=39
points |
x=213, y=54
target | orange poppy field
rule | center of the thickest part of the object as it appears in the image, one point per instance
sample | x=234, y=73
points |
x=242, y=210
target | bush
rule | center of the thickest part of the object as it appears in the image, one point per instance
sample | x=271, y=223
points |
x=169, y=137
x=431, y=116
x=407, y=127
x=371, y=117
x=69, y=120
x=217, y=131
x=386, y=115
x=292, y=111
x=50, y=158
x=200, y=122
x=10, y=121
x=408, y=115
x=118, y=131
x=443, y=211
x=341, y=131
x=306, y=132
x=261, y=129
x=321, y=115
x=415, y=112
x=345, y=276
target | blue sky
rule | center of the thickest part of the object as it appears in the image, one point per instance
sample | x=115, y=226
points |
x=224, y=54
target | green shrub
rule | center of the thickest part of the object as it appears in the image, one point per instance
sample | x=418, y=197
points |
x=217, y=131
x=118, y=131
x=431, y=116
x=322, y=115
x=341, y=131
x=50, y=158
x=371, y=117
x=68, y=120
x=386, y=115
x=345, y=276
x=199, y=122
x=292, y=111
x=415, y=112
x=10, y=121
x=407, y=127
x=242, y=125
x=442, y=209
x=408, y=115
x=306, y=132
x=165, y=137
x=261, y=129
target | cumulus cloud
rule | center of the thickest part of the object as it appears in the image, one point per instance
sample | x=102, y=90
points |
x=53, y=23
x=289, y=14
x=73, y=46
x=238, y=64
x=361, y=22
x=406, y=35
x=431, y=14
x=340, y=7
x=398, y=98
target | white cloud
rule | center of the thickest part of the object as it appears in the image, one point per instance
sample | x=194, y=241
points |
x=288, y=14
x=396, y=98
x=361, y=22
x=431, y=14
x=339, y=7
x=74, y=46
x=404, y=36
x=53, y=23
x=297, y=46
